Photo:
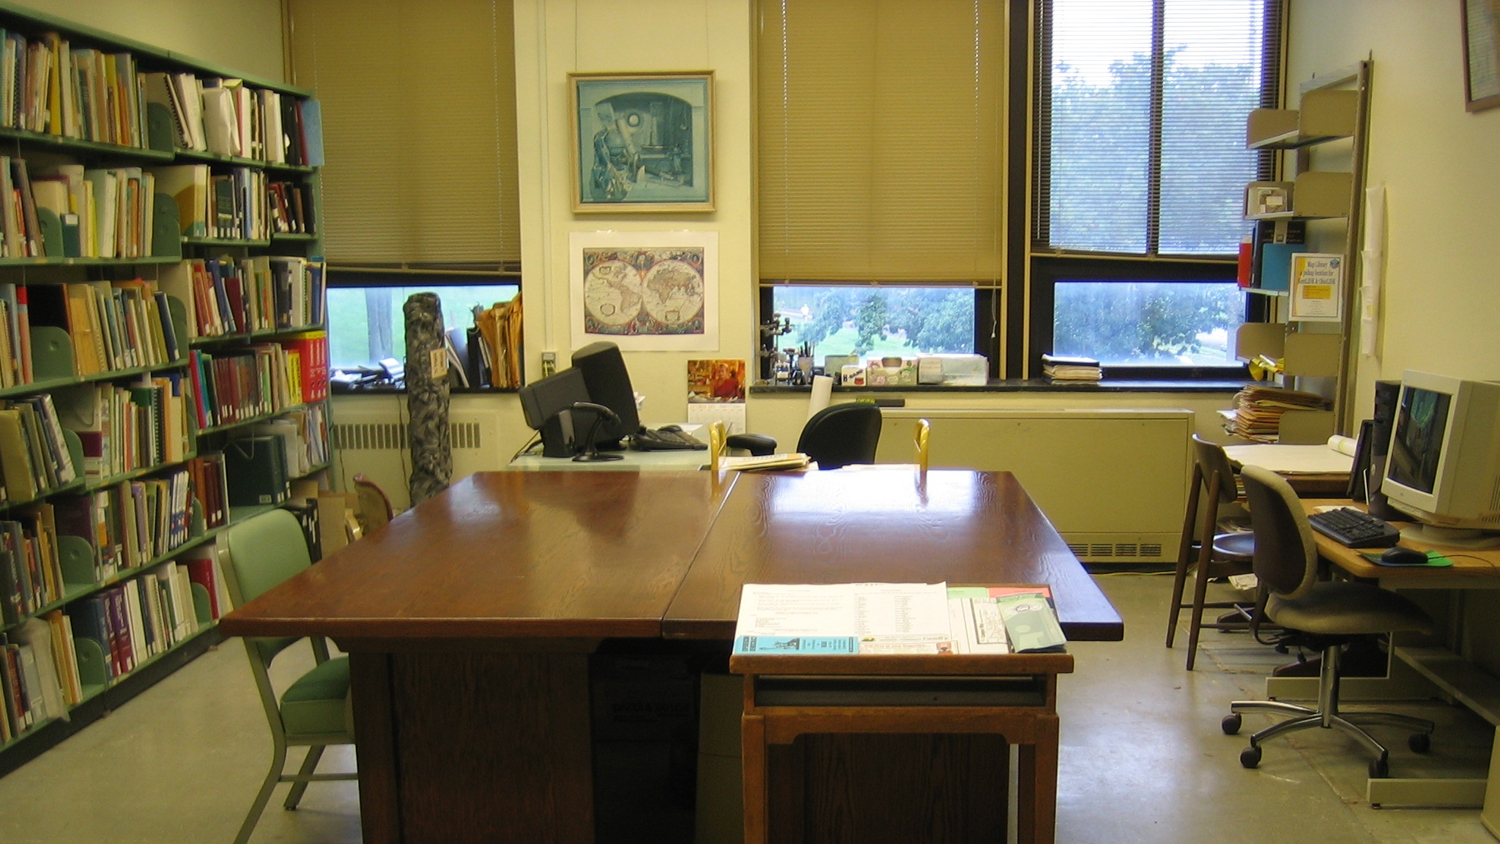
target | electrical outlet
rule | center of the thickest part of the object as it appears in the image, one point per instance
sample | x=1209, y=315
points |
x=549, y=363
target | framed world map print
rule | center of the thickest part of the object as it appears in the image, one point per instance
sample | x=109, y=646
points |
x=645, y=291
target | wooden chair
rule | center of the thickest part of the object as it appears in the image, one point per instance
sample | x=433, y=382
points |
x=314, y=711
x=1215, y=555
x=921, y=436
x=374, y=505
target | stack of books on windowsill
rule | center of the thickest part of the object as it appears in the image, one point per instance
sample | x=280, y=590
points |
x=1058, y=368
x=1258, y=410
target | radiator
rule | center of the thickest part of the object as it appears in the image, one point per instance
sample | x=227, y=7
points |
x=1113, y=482
x=372, y=441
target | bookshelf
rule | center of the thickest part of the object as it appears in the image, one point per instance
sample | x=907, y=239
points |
x=1317, y=208
x=163, y=359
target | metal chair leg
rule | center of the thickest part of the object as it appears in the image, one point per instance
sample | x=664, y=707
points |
x=310, y=764
x=278, y=762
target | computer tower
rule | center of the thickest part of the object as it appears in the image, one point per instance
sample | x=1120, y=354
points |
x=1387, y=393
x=608, y=383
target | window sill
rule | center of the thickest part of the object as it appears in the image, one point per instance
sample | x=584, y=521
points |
x=1038, y=385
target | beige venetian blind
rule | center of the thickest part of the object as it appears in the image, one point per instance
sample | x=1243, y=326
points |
x=419, y=128
x=880, y=128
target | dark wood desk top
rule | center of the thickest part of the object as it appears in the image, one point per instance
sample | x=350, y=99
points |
x=615, y=554
x=506, y=554
x=879, y=525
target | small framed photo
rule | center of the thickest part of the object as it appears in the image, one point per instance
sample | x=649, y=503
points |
x=642, y=142
x=1264, y=200
x=1481, y=54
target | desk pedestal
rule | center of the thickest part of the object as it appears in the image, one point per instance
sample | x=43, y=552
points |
x=473, y=746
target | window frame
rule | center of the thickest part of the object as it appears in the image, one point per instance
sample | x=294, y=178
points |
x=1032, y=317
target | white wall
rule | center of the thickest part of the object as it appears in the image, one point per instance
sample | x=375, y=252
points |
x=1438, y=164
x=239, y=35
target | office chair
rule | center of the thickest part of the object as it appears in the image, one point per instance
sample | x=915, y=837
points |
x=835, y=436
x=1328, y=614
x=1217, y=554
x=255, y=556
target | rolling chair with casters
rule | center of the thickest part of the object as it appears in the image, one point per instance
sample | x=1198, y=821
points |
x=835, y=436
x=314, y=711
x=1217, y=554
x=1328, y=614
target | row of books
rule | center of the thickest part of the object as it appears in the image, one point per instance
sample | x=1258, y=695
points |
x=241, y=295
x=240, y=384
x=49, y=86
x=38, y=674
x=229, y=205
x=224, y=116
x=68, y=211
x=114, y=325
x=291, y=208
x=144, y=616
x=31, y=573
x=1258, y=409
x=123, y=428
x=34, y=456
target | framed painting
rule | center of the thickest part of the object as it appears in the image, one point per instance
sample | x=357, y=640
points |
x=645, y=291
x=642, y=141
x=1481, y=54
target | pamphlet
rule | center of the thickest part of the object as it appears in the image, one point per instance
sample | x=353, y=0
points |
x=1317, y=287
x=891, y=618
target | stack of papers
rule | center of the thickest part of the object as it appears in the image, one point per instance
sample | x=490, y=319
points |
x=1060, y=368
x=792, y=460
x=896, y=618
x=1258, y=409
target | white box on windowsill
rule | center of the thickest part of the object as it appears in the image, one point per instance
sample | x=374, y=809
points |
x=953, y=370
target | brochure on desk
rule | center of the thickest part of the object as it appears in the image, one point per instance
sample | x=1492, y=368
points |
x=896, y=618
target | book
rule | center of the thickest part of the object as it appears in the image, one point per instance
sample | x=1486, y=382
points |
x=1064, y=368
x=188, y=185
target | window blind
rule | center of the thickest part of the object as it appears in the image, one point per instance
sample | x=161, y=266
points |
x=879, y=132
x=419, y=128
x=1140, y=129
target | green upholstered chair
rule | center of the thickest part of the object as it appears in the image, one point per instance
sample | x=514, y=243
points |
x=1326, y=614
x=314, y=711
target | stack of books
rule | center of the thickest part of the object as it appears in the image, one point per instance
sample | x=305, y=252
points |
x=1059, y=368
x=1258, y=409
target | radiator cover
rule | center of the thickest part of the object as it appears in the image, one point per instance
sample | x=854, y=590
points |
x=1113, y=482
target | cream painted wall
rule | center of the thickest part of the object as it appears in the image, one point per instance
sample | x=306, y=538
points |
x=1441, y=297
x=240, y=35
x=558, y=37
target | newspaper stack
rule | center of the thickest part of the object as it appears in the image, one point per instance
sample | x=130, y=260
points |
x=1258, y=409
x=1059, y=368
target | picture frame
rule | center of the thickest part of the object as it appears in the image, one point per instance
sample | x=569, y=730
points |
x=642, y=142
x=645, y=291
x=1481, y=27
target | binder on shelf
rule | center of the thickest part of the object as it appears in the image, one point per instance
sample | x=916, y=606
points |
x=256, y=469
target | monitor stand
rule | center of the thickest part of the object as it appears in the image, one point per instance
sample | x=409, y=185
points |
x=1442, y=537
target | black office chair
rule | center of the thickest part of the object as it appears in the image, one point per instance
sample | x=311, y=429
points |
x=1328, y=614
x=835, y=436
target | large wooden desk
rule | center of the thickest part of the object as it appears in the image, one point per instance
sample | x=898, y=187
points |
x=1416, y=668
x=469, y=619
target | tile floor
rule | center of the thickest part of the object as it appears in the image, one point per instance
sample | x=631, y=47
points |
x=1143, y=759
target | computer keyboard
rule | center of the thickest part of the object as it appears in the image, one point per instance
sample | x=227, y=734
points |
x=669, y=438
x=1354, y=528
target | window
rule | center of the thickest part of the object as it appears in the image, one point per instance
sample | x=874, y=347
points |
x=876, y=321
x=880, y=177
x=1140, y=152
x=366, y=323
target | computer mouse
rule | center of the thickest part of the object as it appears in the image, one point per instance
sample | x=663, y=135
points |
x=1398, y=556
x=671, y=429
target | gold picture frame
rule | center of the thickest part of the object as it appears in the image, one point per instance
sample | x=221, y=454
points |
x=642, y=142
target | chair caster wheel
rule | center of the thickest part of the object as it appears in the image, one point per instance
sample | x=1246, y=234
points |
x=1231, y=725
x=1250, y=756
x=1419, y=742
x=1380, y=768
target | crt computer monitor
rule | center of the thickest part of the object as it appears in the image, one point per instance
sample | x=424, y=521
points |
x=1443, y=466
x=608, y=383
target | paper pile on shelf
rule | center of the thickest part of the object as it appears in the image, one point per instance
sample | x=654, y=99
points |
x=1059, y=368
x=1258, y=409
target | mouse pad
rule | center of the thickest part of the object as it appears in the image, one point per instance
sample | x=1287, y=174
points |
x=1434, y=560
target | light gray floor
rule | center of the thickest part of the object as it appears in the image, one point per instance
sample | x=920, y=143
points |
x=1143, y=759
